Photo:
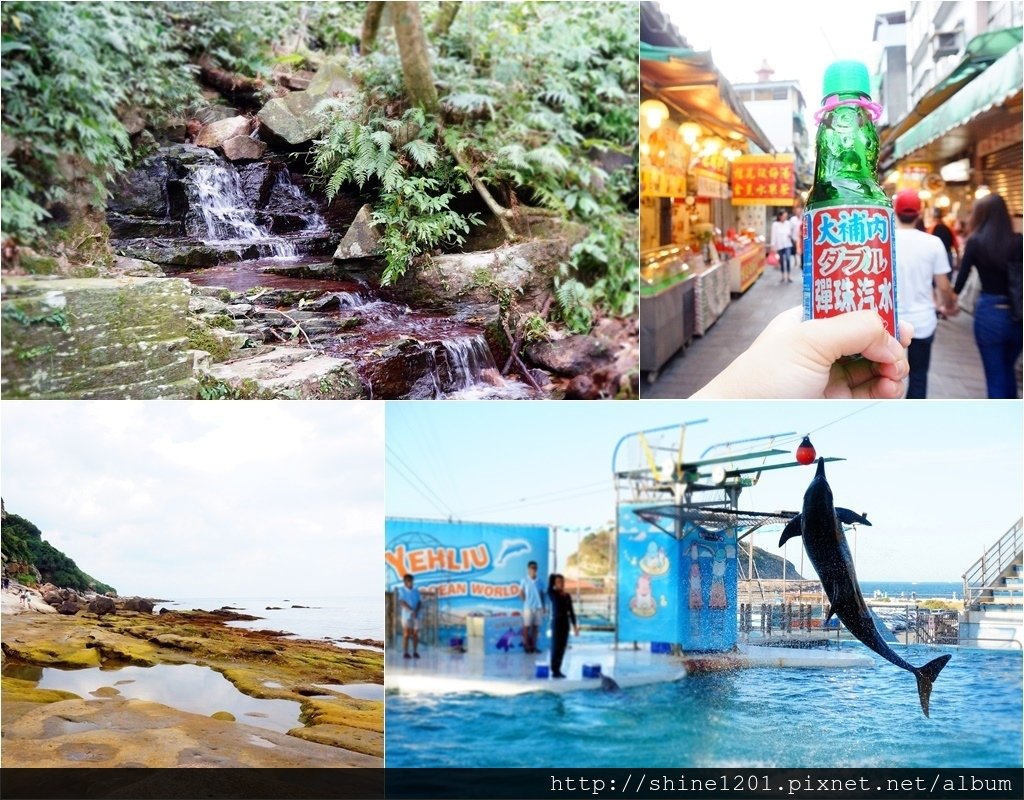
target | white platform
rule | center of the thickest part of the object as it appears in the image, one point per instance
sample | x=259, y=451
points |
x=442, y=671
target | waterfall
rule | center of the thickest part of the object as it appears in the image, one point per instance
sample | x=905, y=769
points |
x=467, y=358
x=226, y=217
x=283, y=184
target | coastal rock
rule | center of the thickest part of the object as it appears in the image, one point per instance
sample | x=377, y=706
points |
x=138, y=604
x=53, y=598
x=224, y=716
x=102, y=605
x=68, y=607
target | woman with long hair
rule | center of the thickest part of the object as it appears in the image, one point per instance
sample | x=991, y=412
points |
x=994, y=250
x=561, y=615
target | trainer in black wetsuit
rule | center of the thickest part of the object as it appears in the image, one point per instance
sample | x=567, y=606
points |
x=561, y=615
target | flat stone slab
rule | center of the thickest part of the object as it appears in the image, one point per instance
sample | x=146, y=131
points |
x=290, y=373
x=95, y=338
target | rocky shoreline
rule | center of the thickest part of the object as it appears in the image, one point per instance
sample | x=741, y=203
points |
x=49, y=727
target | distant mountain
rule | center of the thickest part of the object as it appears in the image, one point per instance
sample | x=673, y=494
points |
x=30, y=559
x=767, y=566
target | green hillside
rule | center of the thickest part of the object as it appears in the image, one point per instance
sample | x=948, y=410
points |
x=23, y=547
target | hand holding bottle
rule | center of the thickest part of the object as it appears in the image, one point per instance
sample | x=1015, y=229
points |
x=791, y=359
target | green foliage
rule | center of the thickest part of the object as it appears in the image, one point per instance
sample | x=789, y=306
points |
x=22, y=541
x=415, y=186
x=533, y=95
x=69, y=71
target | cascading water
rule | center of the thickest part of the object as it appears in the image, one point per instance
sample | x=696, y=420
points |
x=315, y=223
x=467, y=357
x=224, y=217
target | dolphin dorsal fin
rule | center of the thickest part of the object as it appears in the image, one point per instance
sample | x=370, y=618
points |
x=793, y=528
x=848, y=517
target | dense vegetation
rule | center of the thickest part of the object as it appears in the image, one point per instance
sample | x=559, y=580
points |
x=533, y=98
x=23, y=542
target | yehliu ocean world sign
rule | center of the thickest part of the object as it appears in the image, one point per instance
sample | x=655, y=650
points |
x=472, y=566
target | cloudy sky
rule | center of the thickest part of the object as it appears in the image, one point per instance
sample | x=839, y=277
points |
x=940, y=480
x=200, y=499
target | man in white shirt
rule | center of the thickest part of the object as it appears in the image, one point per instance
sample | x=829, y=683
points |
x=782, y=243
x=922, y=273
x=532, y=593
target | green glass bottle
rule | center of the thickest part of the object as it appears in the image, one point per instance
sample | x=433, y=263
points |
x=848, y=222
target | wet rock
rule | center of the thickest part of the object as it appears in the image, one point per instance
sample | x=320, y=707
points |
x=217, y=133
x=243, y=148
x=571, y=356
x=125, y=226
x=290, y=373
x=102, y=605
x=256, y=182
x=142, y=192
x=68, y=607
x=362, y=240
x=223, y=716
x=187, y=252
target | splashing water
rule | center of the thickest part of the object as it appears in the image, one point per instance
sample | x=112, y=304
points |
x=226, y=217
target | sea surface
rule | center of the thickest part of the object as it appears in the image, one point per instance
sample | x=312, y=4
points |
x=923, y=589
x=330, y=618
x=858, y=717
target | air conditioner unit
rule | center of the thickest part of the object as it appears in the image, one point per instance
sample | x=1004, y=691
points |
x=945, y=43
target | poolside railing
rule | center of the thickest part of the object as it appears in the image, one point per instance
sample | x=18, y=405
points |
x=982, y=578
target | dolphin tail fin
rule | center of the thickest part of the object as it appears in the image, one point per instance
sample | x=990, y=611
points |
x=848, y=517
x=926, y=676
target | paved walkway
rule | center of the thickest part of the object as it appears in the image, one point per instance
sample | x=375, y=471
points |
x=955, y=372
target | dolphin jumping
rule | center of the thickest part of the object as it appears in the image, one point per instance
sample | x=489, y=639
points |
x=825, y=543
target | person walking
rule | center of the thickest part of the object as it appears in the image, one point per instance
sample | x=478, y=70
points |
x=782, y=244
x=796, y=230
x=531, y=592
x=994, y=250
x=946, y=236
x=922, y=273
x=562, y=615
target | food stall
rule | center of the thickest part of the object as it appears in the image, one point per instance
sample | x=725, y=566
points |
x=692, y=128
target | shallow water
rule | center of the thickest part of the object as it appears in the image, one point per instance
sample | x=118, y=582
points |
x=186, y=687
x=844, y=718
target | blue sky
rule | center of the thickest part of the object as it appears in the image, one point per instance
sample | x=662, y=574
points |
x=194, y=499
x=939, y=480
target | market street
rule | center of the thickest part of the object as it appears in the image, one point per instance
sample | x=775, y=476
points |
x=955, y=371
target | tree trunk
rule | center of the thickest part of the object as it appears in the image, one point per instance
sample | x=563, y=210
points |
x=371, y=24
x=445, y=17
x=412, y=46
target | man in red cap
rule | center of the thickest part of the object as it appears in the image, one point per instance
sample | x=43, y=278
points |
x=922, y=274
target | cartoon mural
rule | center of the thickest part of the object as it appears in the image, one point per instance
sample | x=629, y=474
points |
x=678, y=590
x=473, y=566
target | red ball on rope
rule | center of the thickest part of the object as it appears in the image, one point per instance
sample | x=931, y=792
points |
x=805, y=453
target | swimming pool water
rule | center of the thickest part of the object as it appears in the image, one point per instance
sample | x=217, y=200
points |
x=867, y=717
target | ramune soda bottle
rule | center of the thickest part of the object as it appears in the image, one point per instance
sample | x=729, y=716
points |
x=848, y=222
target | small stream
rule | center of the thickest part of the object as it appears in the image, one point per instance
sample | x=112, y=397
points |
x=249, y=227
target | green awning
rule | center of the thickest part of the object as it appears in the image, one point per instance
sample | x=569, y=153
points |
x=1001, y=80
x=982, y=51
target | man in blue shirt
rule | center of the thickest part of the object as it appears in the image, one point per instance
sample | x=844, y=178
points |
x=531, y=590
x=409, y=600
